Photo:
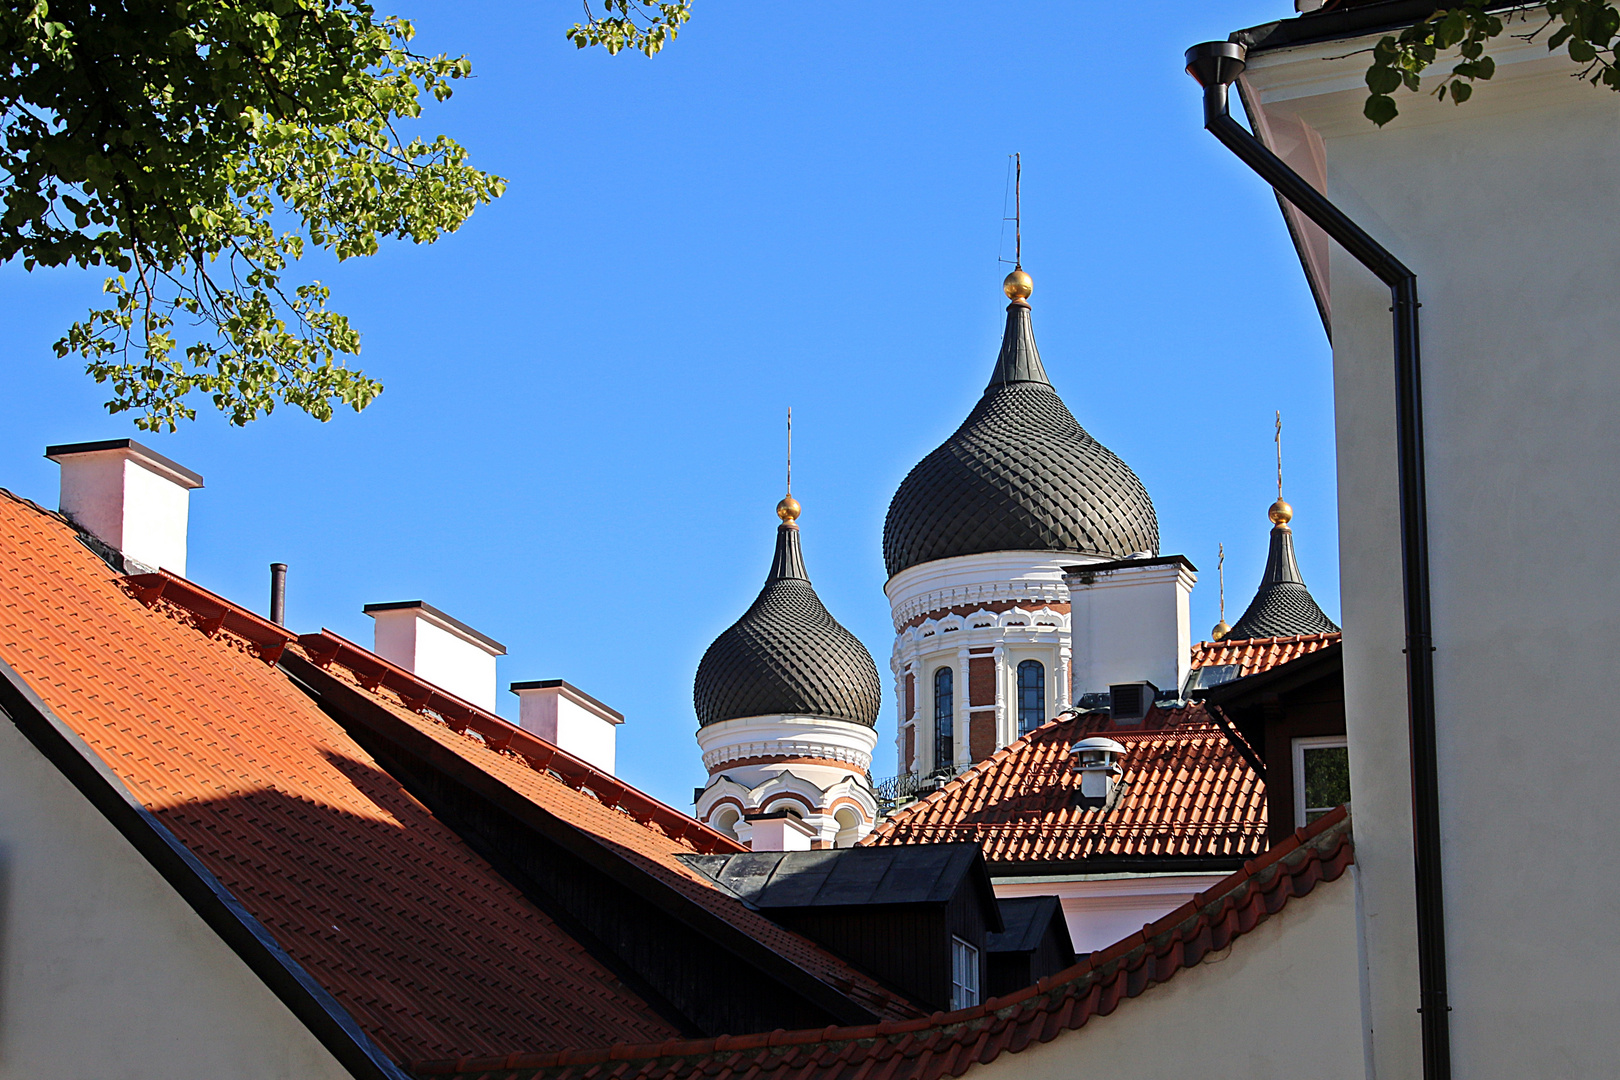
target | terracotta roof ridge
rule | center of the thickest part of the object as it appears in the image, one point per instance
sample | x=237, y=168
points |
x=216, y=613
x=1231, y=642
x=498, y=735
x=1208, y=923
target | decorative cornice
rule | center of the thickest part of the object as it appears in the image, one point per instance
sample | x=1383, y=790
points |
x=776, y=749
x=910, y=610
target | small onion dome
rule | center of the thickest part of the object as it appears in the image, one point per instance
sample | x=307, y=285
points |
x=1019, y=475
x=1283, y=606
x=1222, y=628
x=787, y=655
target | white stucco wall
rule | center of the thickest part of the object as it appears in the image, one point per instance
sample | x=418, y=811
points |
x=1281, y=1004
x=105, y=973
x=1505, y=209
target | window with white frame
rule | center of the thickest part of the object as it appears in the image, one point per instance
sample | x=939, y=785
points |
x=1321, y=776
x=964, y=974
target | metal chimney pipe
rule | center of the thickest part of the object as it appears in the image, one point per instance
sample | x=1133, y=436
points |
x=1216, y=65
x=278, y=593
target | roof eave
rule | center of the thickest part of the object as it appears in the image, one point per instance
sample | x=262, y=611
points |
x=224, y=914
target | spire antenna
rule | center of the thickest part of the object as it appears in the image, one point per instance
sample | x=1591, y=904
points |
x=1280, y=513
x=1279, y=455
x=1220, y=565
x=788, y=509
x=1018, y=211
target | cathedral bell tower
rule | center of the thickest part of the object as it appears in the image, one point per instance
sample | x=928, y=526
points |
x=786, y=703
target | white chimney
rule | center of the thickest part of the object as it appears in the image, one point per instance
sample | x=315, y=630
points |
x=570, y=719
x=431, y=645
x=1097, y=760
x=1129, y=622
x=130, y=498
x=776, y=831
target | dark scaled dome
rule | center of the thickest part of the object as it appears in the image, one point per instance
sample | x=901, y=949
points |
x=1282, y=606
x=1019, y=475
x=787, y=655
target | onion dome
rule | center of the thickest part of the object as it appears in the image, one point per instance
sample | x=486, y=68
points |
x=1019, y=474
x=1283, y=607
x=787, y=655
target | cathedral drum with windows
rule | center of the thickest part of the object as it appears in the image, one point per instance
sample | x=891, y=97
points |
x=985, y=543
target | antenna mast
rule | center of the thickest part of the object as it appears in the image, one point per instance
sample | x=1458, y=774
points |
x=1220, y=564
x=1279, y=455
x=1018, y=211
x=790, y=451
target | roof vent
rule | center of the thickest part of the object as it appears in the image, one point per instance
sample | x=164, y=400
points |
x=431, y=645
x=132, y=499
x=1129, y=702
x=1097, y=761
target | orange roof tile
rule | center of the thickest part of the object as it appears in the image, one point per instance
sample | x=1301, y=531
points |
x=425, y=945
x=952, y=1043
x=1185, y=793
x=528, y=767
x=1255, y=655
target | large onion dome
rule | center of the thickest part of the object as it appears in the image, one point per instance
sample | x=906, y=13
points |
x=1283, y=606
x=1019, y=475
x=787, y=655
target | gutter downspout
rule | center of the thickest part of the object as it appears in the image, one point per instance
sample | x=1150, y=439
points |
x=1215, y=64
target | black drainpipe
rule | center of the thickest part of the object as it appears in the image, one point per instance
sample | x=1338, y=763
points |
x=1215, y=64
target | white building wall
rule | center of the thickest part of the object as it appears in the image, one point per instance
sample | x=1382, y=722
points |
x=1503, y=207
x=105, y=972
x=1106, y=908
x=1281, y=1004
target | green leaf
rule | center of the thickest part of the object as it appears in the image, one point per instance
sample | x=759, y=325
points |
x=1380, y=109
x=1383, y=80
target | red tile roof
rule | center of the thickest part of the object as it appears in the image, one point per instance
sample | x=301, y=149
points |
x=591, y=801
x=423, y=943
x=950, y=1044
x=1255, y=655
x=1186, y=792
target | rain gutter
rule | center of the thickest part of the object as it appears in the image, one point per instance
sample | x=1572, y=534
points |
x=1215, y=65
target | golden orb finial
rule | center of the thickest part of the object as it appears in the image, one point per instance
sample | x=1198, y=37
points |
x=788, y=509
x=1280, y=513
x=1220, y=631
x=1018, y=285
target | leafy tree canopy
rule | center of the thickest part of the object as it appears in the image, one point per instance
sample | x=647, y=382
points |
x=196, y=148
x=643, y=25
x=1588, y=30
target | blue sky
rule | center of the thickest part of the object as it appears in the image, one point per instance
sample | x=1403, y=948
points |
x=580, y=446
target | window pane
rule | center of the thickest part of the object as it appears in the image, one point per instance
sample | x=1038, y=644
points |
x=964, y=974
x=1031, y=696
x=944, y=710
x=1327, y=779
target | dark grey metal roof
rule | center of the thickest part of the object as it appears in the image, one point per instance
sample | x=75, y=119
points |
x=1282, y=607
x=1020, y=474
x=787, y=655
x=1027, y=919
x=847, y=877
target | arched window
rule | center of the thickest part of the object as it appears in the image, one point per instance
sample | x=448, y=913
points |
x=1031, y=696
x=944, y=710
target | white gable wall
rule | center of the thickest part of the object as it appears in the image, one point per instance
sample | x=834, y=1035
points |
x=1504, y=208
x=1282, y=1003
x=105, y=972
